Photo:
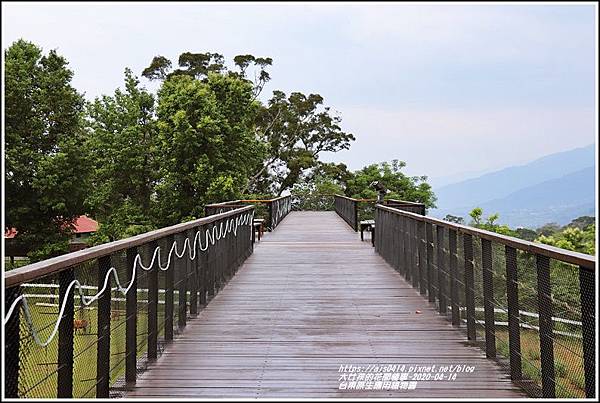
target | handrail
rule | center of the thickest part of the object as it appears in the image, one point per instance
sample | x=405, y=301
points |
x=567, y=256
x=485, y=268
x=190, y=261
x=276, y=214
x=53, y=265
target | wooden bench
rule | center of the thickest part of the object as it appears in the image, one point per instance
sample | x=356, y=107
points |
x=258, y=226
x=370, y=226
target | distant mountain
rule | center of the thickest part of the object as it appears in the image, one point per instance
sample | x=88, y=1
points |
x=556, y=188
x=494, y=185
x=557, y=200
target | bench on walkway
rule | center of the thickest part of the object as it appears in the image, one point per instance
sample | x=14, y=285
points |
x=370, y=226
x=258, y=226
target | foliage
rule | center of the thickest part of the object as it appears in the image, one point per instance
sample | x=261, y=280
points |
x=399, y=186
x=207, y=143
x=454, y=219
x=296, y=129
x=315, y=194
x=125, y=155
x=582, y=222
x=573, y=238
x=46, y=164
x=490, y=223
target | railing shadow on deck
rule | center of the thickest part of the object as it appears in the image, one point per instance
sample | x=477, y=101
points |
x=133, y=296
x=531, y=305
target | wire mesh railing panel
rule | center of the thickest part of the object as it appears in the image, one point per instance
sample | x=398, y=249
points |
x=530, y=307
x=567, y=334
x=87, y=329
x=38, y=365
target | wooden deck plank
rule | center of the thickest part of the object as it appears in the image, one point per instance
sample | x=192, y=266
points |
x=313, y=297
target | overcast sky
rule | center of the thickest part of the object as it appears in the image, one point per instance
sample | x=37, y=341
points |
x=446, y=88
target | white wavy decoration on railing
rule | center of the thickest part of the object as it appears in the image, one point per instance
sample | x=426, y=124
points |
x=287, y=203
x=212, y=235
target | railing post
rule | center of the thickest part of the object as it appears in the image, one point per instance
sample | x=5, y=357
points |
x=430, y=285
x=443, y=307
x=414, y=253
x=153, y=305
x=169, y=292
x=453, y=283
x=103, y=356
x=546, y=326
x=203, y=262
x=131, y=319
x=355, y=216
x=193, y=278
x=469, y=286
x=512, y=298
x=488, y=298
x=210, y=262
x=587, y=293
x=182, y=279
x=422, y=246
x=271, y=225
x=12, y=343
x=395, y=226
x=65, y=335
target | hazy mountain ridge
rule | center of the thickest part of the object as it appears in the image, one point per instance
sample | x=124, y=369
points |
x=555, y=188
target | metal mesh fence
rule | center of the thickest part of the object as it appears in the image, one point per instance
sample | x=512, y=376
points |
x=534, y=315
x=38, y=366
x=88, y=329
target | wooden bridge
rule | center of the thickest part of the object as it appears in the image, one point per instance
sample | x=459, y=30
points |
x=310, y=299
x=310, y=311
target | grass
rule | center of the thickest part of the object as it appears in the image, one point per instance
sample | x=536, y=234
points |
x=18, y=262
x=38, y=379
x=568, y=364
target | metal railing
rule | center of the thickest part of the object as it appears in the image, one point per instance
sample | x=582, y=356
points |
x=347, y=208
x=355, y=210
x=275, y=210
x=83, y=324
x=531, y=304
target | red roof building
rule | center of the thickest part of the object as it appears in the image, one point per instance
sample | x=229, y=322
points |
x=83, y=225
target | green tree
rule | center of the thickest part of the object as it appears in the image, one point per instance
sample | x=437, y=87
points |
x=573, y=238
x=207, y=142
x=454, y=219
x=46, y=165
x=400, y=186
x=315, y=193
x=582, y=222
x=125, y=154
x=296, y=130
x=490, y=223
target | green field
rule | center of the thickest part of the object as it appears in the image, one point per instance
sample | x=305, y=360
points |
x=38, y=379
x=568, y=364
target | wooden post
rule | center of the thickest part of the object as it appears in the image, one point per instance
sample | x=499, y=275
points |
x=546, y=326
x=131, y=321
x=469, y=286
x=512, y=299
x=12, y=343
x=65, y=335
x=103, y=353
x=488, y=298
x=153, y=306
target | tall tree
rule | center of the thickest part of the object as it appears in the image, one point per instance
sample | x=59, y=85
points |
x=207, y=142
x=296, y=129
x=399, y=185
x=46, y=165
x=125, y=154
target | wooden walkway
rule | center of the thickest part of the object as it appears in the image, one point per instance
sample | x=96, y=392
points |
x=311, y=298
